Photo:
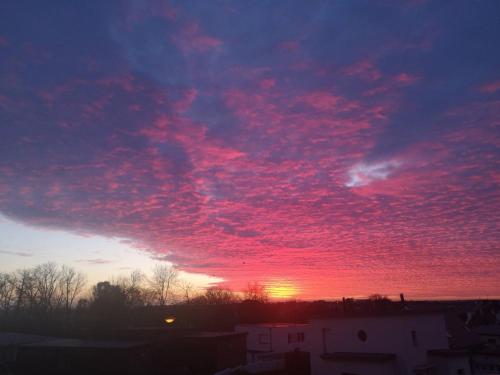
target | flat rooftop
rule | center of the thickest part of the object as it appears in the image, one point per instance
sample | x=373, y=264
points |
x=448, y=352
x=378, y=314
x=358, y=357
x=273, y=325
x=212, y=335
x=14, y=338
x=87, y=344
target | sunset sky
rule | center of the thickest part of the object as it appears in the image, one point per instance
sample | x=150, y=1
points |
x=321, y=148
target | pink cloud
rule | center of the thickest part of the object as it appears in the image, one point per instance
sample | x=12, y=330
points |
x=405, y=79
x=267, y=84
x=186, y=101
x=289, y=46
x=242, y=207
x=490, y=88
x=364, y=70
x=191, y=38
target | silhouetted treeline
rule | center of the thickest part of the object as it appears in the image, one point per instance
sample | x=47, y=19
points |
x=52, y=300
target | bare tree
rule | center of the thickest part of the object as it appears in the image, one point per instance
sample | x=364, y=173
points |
x=71, y=284
x=7, y=291
x=46, y=281
x=163, y=282
x=133, y=288
x=187, y=290
x=26, y=289
x=217, y=295
x=256, y=293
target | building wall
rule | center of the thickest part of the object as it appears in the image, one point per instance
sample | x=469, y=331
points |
x=8, y=354
x=231, y=352
x=485, y=364
x=388, y=334
x=274, y=338
x=281, y=334
x=254, y=332
x=452, y=365
x=80, y=361
x=361, y=368
x=490, y=341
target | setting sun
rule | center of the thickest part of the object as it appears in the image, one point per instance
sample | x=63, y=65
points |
x=281, y=290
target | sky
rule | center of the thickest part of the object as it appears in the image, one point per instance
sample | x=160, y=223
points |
x=321, y=148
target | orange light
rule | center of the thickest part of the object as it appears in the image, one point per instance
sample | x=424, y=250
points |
x=281, y=289
x=170, y=319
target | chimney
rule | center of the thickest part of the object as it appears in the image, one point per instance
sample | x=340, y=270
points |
x=402, y=299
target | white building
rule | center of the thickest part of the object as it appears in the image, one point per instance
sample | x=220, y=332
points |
x=398, y=343
x=269, y=341
x=395, y=344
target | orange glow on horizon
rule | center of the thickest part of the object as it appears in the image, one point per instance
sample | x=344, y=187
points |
x=282, y=290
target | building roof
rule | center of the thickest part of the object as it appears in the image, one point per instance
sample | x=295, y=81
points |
x=13, y=338
x=487, y=330
x=448, y=352
x=87, y=344
x=256, y=351
x=379, y=314
x=213, y=335
x=358, y=357
x=273, y=325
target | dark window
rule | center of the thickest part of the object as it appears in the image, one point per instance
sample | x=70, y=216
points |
x=461, y=372
x=263, y=338
x=296, y=337
x=492, y=341
x=414, y=338
x=362, y=335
